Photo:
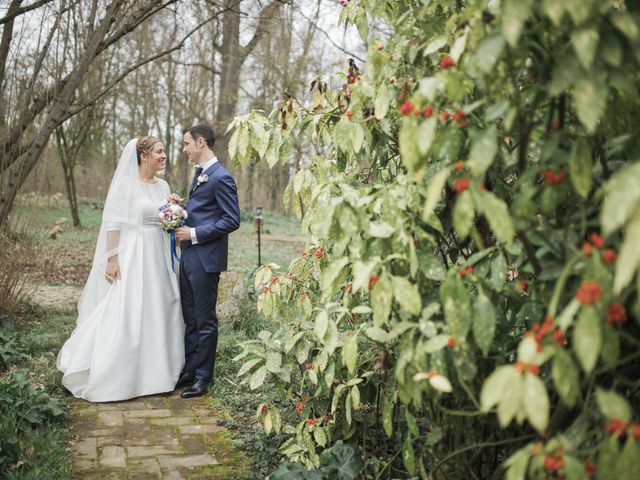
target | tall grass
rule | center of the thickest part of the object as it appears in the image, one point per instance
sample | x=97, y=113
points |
x=16, y=252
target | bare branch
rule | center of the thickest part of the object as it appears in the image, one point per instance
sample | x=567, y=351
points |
x=15, y=13
x=133, y=68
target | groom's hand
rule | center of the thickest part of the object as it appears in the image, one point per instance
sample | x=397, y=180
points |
x=183, y=234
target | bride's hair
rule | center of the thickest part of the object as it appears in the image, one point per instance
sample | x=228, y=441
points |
x=144, y=145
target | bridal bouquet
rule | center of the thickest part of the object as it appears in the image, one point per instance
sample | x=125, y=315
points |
x=171, y=216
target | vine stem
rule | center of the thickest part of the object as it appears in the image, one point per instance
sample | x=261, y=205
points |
x=481, y=445
x=386, y=465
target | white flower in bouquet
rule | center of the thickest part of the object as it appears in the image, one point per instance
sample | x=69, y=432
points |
x=172, y=215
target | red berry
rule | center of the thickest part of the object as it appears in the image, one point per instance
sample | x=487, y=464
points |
x=373, y=279
x=589, y=292
x=549, y=463
x=348, y=287
x=587, y=249
x=558, y=338
x=381, y=47
x=427, y=112
x=534, y=370
x=635, y=431
x=609, y=256
x=312, y=421
x=263, y=409
x=589, y=469
x=459, y=165
x=459, y=115
x=551, y=178
x=444, y=116
x=265, y=290
x=616, y=313
x=616, y=427
x=524, y=286
x=466, y=271
x=597, y=240
x=461, y=184
x=349, y=114
x=446, y=62
x=451, y=342
x=308, y=366
x=298, y=407
x=406, y=108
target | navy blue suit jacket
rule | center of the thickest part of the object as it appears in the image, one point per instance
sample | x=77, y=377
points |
x=214, y=212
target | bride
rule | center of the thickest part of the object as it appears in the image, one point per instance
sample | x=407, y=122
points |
x=128, y=339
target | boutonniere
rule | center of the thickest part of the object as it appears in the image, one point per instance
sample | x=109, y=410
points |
x=204, y=178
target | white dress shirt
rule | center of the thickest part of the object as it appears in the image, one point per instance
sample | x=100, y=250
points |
x=205, y=166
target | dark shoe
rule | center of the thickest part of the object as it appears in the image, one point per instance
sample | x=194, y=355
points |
x=198, y=388
x=185, y=380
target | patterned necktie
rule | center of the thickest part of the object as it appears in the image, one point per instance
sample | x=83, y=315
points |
x=195, y=177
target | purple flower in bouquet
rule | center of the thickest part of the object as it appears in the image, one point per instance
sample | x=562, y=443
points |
x=173, y=214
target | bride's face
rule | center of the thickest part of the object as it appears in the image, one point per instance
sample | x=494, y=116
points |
x=156, y=158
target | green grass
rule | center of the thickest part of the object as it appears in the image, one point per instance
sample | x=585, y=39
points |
x=74, y=248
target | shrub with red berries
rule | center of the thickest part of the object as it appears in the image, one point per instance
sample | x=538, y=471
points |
x=479, y=217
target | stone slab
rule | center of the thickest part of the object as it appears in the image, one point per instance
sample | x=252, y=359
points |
x=113, y=457
x=189, y=461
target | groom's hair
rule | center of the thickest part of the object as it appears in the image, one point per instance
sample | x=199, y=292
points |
x=202, y=131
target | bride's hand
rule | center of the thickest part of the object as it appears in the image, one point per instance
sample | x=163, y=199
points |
x=113, y=271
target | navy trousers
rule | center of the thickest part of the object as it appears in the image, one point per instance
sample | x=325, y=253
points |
x=199, y=293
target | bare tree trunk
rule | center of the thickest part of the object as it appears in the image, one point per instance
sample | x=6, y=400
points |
x=233, y=57
x=229, y=75
x=68, y=167
x=7, y=33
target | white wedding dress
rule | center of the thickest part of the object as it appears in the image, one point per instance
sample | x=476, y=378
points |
x=129, y=337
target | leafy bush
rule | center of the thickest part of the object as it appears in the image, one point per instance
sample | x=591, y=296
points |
x=22, y=408
x=474, y=224
x=339, y=462
x=33, y=407
x=10, y=351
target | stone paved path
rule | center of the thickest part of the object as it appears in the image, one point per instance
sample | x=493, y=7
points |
x=161, y=436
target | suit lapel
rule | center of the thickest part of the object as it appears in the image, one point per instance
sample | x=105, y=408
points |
x=209, y=171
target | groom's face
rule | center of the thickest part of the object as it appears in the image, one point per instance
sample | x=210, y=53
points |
x=192, y=147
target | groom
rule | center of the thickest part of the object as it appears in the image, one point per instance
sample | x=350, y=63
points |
x=213, y=213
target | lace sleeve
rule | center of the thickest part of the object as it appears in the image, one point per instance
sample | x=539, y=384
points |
x=166, y=190
x=114, y=215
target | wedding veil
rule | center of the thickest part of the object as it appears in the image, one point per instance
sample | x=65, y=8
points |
x=118, y=222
